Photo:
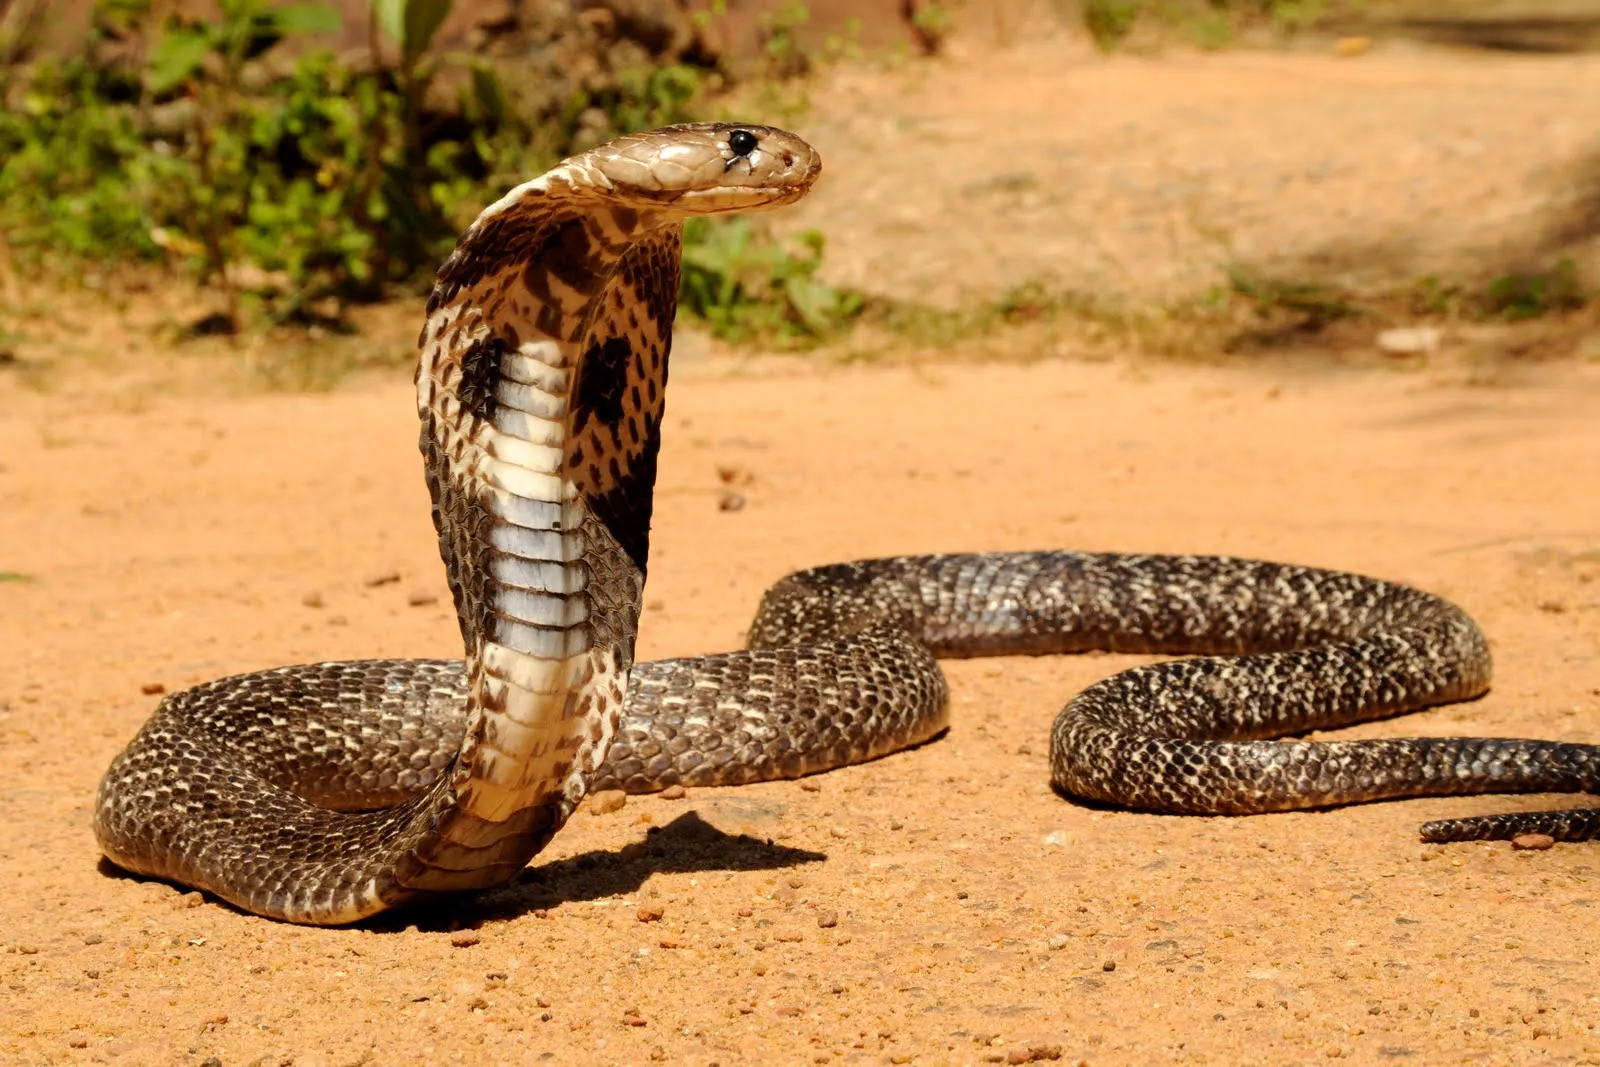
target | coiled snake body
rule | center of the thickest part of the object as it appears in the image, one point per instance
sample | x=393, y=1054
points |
x=328, y=792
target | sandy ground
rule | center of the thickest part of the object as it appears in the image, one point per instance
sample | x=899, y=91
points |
x=979, y=915
x=938, y=906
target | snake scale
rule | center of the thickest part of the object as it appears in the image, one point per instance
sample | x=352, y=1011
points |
x=325, y=793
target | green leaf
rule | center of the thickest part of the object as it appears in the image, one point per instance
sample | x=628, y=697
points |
x=411, y=23
x=307, y=18
x=176, y=57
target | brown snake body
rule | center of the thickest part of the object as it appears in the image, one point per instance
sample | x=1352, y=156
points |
x=325, y=793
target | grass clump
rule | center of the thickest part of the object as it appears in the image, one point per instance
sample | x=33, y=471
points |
x=1204, y=23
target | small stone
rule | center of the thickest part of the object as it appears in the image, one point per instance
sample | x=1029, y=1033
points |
x=193, y=900
x=545, y=1017
x=896, y=824
x=543, y=1002
x=1532, y=842
x=92, y=972
x=477, y=1003
x=633, y=1018
x=1408, y=341
x=422, y=598
x=372, y=581
x=1024, y=750
x=464, y=939
x=151, y=689
x=658, y=1053
x=1552, y=607
x=828, y=919
x=1018, y=1055
x=839, y=832
x=650, y=913
x=93, y=939
x=1058, y=942
x=745, y=913
x=607, y=801
x=1109, y=965
x=77, y=1040
x=674, y=792
x=836, y=988
x=810, y=785
x=312, y=599
x=731, y=502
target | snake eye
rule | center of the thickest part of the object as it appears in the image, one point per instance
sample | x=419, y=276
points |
x=743, y=142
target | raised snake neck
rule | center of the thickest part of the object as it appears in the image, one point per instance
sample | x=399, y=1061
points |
x=327, y=792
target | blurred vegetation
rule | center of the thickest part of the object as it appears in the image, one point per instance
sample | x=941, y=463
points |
x=338, y=179
x=293, y=183
x=1207, y=23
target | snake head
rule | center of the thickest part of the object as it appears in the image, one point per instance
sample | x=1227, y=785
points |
x=706, y=168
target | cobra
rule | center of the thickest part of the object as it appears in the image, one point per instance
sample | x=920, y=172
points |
x=325, y=793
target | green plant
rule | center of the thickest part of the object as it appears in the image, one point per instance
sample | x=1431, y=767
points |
x=931, y=23
x=1310, y=306
x=1531, y=294
x=1110, y=21
x=742, y=285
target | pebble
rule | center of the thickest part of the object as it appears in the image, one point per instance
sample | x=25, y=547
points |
x=372, y=581
x=810, y=785
x=193, y=900
x=1532, y=842
x=477, y=1004
x=731, y=502
x=674, y=792
x=464, y=938
x=650, y=913
x=1058, y=942
x=543, y=1002
x=1408, y=340
x=93, y=939
x=151, y=689
x=745, y=913
x=1109, y=965
x=607, y=801
x=312, y=599
x=633, y=1018
x=828, y=919
x=839, y=832
x=421, y=599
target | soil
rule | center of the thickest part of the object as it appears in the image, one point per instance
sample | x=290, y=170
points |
x=938, y=906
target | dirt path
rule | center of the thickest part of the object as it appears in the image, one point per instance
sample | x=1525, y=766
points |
x=1141, y=179
x=978, y=913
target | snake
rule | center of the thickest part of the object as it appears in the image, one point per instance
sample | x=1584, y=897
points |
x=326, y=793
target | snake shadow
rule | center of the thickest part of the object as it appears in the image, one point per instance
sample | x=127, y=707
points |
x=686, y=845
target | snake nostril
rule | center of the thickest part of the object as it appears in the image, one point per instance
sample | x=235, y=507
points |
x=788, y=159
